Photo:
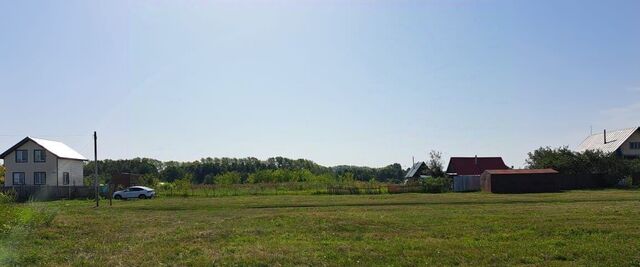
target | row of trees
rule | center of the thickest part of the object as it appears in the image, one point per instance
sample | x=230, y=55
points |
x=243, y=170
x=567, y=161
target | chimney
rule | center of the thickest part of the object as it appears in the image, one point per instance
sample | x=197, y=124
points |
x=476, y=159
x=413, y=159
x=605, y=136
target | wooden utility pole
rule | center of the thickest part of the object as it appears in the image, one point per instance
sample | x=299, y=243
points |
x=95, y=172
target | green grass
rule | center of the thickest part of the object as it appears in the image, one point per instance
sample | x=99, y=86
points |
x=595, y=228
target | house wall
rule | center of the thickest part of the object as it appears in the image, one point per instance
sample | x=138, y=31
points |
x=75, y=168
x=49, y=166
x=626, y=146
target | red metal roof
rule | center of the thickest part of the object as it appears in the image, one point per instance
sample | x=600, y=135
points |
x=475, y=165
x=522, y=171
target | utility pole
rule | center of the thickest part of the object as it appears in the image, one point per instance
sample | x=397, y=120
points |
x=95, y=172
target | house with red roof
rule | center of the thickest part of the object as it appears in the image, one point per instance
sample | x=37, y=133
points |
x=466, y=171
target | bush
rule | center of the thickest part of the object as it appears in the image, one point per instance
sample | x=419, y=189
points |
x=150, y=179
x=627, y=182
x=436, y=184
x=6, y=198
x=228, y=178
x=183, y=185
x=565, y=161
x=35, y=216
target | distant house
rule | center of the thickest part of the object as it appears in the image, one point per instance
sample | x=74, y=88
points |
x=39, y=162
x=623, y=143
x=418, y=170
x=466, y=171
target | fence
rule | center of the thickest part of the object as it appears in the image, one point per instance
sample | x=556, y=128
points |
x=399, y=189
x=354, y=190
x=241, y=189
x=26, y=192
x=582, y=181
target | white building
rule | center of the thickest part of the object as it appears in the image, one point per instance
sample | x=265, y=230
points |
x=623, y=143
x=35, y=162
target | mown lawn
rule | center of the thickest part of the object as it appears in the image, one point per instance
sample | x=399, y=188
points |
x=575, y=228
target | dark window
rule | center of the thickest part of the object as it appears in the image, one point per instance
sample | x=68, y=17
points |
x=18, y=178
x=22, y=156
x=39, y=178
x=135, y=189
x=65, y=178
x=635, y=145
x=39, y=155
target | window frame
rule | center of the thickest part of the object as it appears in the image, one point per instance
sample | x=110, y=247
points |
x=44, y=182
x=634, y=145
x=43, y=153
x=66, y=178
x=26, y=153
x=13, y=178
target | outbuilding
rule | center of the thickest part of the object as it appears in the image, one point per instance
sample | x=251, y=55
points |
x=466, y=171
x=417, y=171
x=520, y=181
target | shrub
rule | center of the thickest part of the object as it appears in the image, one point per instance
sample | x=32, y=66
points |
x=228, y=178
x=436, y=184
x=565, y=161
x=7, y=197
x=183, y=185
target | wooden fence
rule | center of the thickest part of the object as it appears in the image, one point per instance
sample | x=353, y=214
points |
x=399, y=189
x=354, y=190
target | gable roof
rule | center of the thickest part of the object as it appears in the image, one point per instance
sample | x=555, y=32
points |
x=615, y=139
x=415, y=168
x=474, y=165
x=57, y=148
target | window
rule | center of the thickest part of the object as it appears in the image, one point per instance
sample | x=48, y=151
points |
x=39, y=155
x=39, y=178
x=18, y=178
x=22, y=156
x=635, y=145
x=65, y=178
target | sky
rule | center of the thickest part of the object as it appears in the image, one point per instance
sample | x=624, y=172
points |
x=338, y=82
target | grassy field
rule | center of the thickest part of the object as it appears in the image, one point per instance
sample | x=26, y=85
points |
x=575, y=228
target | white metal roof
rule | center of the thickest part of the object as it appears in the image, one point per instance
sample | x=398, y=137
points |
x=59, y=149
x=615, y=139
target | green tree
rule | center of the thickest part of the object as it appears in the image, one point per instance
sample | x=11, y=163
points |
x=150, y=179
x=435, y=164
x=228, y=178
x=588, y=162
x=183, y=185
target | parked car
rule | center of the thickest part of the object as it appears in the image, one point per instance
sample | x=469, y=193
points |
x=141, y=192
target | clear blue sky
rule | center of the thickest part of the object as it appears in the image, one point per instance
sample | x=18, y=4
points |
x=337, y=82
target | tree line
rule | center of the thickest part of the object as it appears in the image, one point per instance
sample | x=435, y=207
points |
x=243, y=170
x=567, y=161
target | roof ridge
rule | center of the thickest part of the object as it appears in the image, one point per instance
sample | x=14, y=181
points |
x=616, y=130
x=43, y=139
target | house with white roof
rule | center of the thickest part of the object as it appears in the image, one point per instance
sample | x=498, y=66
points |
x=624, y=143
x=417, y=171
x=39, y=162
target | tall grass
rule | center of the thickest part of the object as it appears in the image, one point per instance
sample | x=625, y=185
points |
x=266, y=189
x=17, y=221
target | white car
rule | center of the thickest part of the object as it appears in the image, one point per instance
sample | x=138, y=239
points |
x=140, y=192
